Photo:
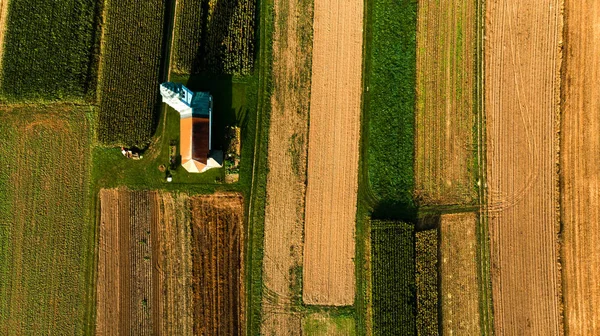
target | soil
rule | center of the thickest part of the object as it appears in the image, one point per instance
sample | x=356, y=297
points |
x=580, y=155
x=522, y=62
x=218, y=284
x=333, y=150
x=458, y=274
x=445, y=109
x=284, y=213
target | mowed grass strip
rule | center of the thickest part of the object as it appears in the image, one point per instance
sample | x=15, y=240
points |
x=48, y=50
x=393, y=260
x=445, y=115
x=129, y=82
x=389, y=99
x=45, y=226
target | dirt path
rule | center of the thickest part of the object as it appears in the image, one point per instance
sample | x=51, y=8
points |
x=333, y=149
x=522, y=60
x=580, y=155
x=292, y=50
x=445, y=113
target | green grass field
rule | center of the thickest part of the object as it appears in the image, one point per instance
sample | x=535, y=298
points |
x=46, y=221
x=389, y=103
x=393, y=260
x=49, y=50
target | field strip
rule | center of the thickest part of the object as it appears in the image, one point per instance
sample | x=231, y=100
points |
x=522, y=62
x=287, y=165
x=333, y=149
x=445, y=109
x=580, y=154
x=3, y=20
x=458, y=269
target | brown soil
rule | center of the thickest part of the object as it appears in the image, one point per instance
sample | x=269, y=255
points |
x=445, y=116
x=458, y=270
x=580, y=157
x=522, y=60
x=3, y=22
x=125, y=297
x=218, y=284
x=333, y=149
x=292, y=50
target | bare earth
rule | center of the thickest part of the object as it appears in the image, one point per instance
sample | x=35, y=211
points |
x=580, y=158
x=3, y=21
x=333, y=149
x=458, y=268
x=522, y=61
x=445, y=113
x=284, y=213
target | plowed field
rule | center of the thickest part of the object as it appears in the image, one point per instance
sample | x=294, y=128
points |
x=580, y=157
x=288, y=132
x=458, y=268
x=522, y=61
x=445, y=113
x=170, y=265
x=333, y=149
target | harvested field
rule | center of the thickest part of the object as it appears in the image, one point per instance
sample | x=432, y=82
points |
x=445, y=113
x=522, y=61
x=320, y=324
x=152, y=248
x=3, y=16
x=125, y=298
x=458, y=270
x=46, y=235
x=288, y=131
x=580, y=154
x=218, y=284
x=333, y=150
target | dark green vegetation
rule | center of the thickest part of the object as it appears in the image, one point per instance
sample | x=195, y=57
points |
x=389, y=103
x=46, y=222
x=215, y=36
x=426, y=249
x=48, y=50
x=393, y=260
x=129, y=96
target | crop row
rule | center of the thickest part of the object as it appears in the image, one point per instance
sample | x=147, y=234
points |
x=48, y=49
x=393, y=258
x=130, y=73
x=215, y=36
x=426, y=246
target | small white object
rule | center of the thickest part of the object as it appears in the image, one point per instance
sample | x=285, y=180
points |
x=169, y=179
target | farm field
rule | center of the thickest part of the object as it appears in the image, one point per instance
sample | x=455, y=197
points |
x=130, y=71
x=580, y=150
x=393, y=263
x=3, y=19
x=426, y=280
x=320, y=324
x=45, y=220
x=48, y=52
x=285, y=189
x=333, y=152
x=445, y=109
x=458, y=273
x=389, y=104
x=215, y=36
x=152, y=248
x=522, y=62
